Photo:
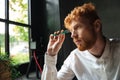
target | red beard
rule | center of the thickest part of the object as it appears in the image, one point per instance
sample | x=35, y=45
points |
x=85, y=44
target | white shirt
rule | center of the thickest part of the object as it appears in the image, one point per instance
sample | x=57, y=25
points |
x=85, y=66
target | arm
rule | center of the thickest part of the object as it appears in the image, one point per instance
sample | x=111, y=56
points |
x=50, y=71
x=54, y=45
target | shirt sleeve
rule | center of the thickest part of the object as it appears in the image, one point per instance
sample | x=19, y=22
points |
x=50, y=71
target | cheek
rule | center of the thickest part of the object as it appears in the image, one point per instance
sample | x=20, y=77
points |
x=81, y=33
x=89, y=35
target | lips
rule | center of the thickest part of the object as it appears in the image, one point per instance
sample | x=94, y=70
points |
x=77, y=41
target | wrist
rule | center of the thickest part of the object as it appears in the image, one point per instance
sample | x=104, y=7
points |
x=50, y=60
x=50, y=54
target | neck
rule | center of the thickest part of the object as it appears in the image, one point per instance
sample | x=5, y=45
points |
x=98, y=48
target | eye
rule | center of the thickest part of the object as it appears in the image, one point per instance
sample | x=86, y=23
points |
x=76, y=27
x=80, y=26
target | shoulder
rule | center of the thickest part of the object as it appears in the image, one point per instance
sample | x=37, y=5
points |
x=114, y=42
x=70, y=60
x=114, y=49
x=71, y=55
x=114, y=45
x=74, y=55
x=75, y=51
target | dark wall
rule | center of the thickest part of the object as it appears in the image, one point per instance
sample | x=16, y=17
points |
x=109, y=11
x=66, y=7
x=38, y=26
x=38, y=23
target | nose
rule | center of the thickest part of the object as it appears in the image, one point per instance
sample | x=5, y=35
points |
x=73, y=34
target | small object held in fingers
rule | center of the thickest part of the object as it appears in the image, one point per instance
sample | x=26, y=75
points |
x=63, y=32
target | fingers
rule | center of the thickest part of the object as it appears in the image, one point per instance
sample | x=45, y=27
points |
x=53, y=38
x=58, y=33
x=57, y=36
x=55, y=42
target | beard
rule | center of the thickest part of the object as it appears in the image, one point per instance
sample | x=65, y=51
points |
x=85, y=43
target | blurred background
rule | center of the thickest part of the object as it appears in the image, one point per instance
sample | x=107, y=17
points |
x=25, y=21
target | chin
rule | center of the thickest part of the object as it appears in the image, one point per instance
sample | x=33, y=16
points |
x=81, y=48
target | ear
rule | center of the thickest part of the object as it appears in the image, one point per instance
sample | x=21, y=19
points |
x=97, y=25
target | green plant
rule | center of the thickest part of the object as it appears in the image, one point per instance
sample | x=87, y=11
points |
x=20, y=58
x=8, y=70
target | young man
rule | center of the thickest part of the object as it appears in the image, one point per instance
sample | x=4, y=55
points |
x=95, y=58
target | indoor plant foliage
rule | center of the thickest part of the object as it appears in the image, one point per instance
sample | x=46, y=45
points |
x=7, y=70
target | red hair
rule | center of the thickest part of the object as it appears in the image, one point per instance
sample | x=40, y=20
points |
x=87, y=11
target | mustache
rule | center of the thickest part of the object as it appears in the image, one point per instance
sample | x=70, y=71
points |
x=77, y=39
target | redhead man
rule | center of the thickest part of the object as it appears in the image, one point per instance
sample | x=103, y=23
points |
x=95, y=58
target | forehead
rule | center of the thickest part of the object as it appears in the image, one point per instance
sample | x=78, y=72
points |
x=79, y=22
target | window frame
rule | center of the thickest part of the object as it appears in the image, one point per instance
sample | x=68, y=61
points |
x=7, y=22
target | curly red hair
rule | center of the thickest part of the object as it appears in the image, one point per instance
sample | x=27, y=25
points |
x=87, y=11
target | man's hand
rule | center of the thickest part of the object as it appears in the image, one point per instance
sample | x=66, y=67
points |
x=55, y=43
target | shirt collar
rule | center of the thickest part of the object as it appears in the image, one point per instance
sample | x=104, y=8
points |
x=106, y=52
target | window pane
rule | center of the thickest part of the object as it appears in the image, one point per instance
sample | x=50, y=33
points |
x=19, y=44
x=2, y=10
x=2, y=38
x=18, y=11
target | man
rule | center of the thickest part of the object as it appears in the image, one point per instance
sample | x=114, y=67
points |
x=95, y=58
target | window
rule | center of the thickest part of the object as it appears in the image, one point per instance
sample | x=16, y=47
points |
x=15, y=22
x=18, y=42
x=2, y=12
x=2, y=38
x=18, y=11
